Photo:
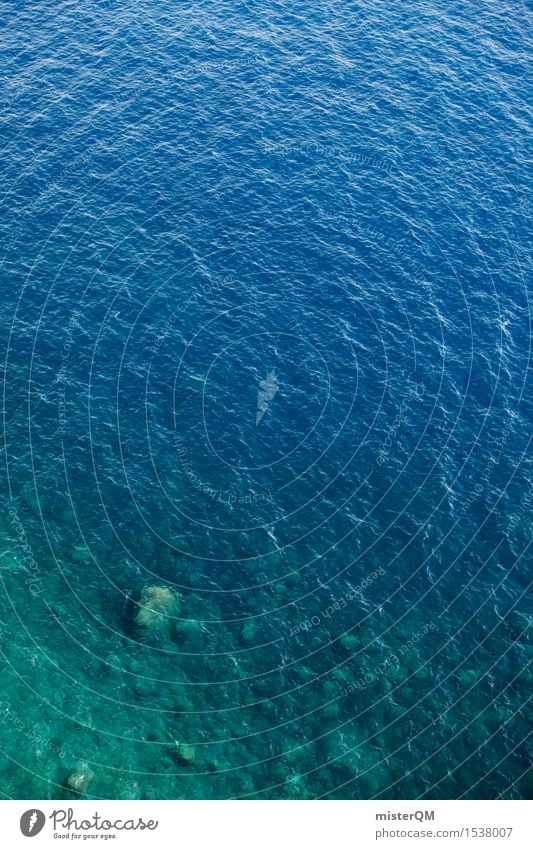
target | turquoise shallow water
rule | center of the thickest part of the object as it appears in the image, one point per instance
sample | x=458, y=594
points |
x=266, y=498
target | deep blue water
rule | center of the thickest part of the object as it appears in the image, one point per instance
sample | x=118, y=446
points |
x=265, y=315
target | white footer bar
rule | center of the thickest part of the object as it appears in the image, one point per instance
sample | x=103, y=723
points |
x=267, y=824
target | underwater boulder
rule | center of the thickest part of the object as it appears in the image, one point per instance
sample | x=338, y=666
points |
x=185, y=754
x=248, y=631
x=349, y=642
x=187, y=628
x=157, y=607
x=80, y=779
x=81, y=554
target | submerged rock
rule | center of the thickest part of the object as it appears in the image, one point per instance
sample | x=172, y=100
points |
x=349, y=642
x=185, y=754
x=249, y=631
x=80, y=779
x=157, y=607
x=81, y=554
x=187, y=628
